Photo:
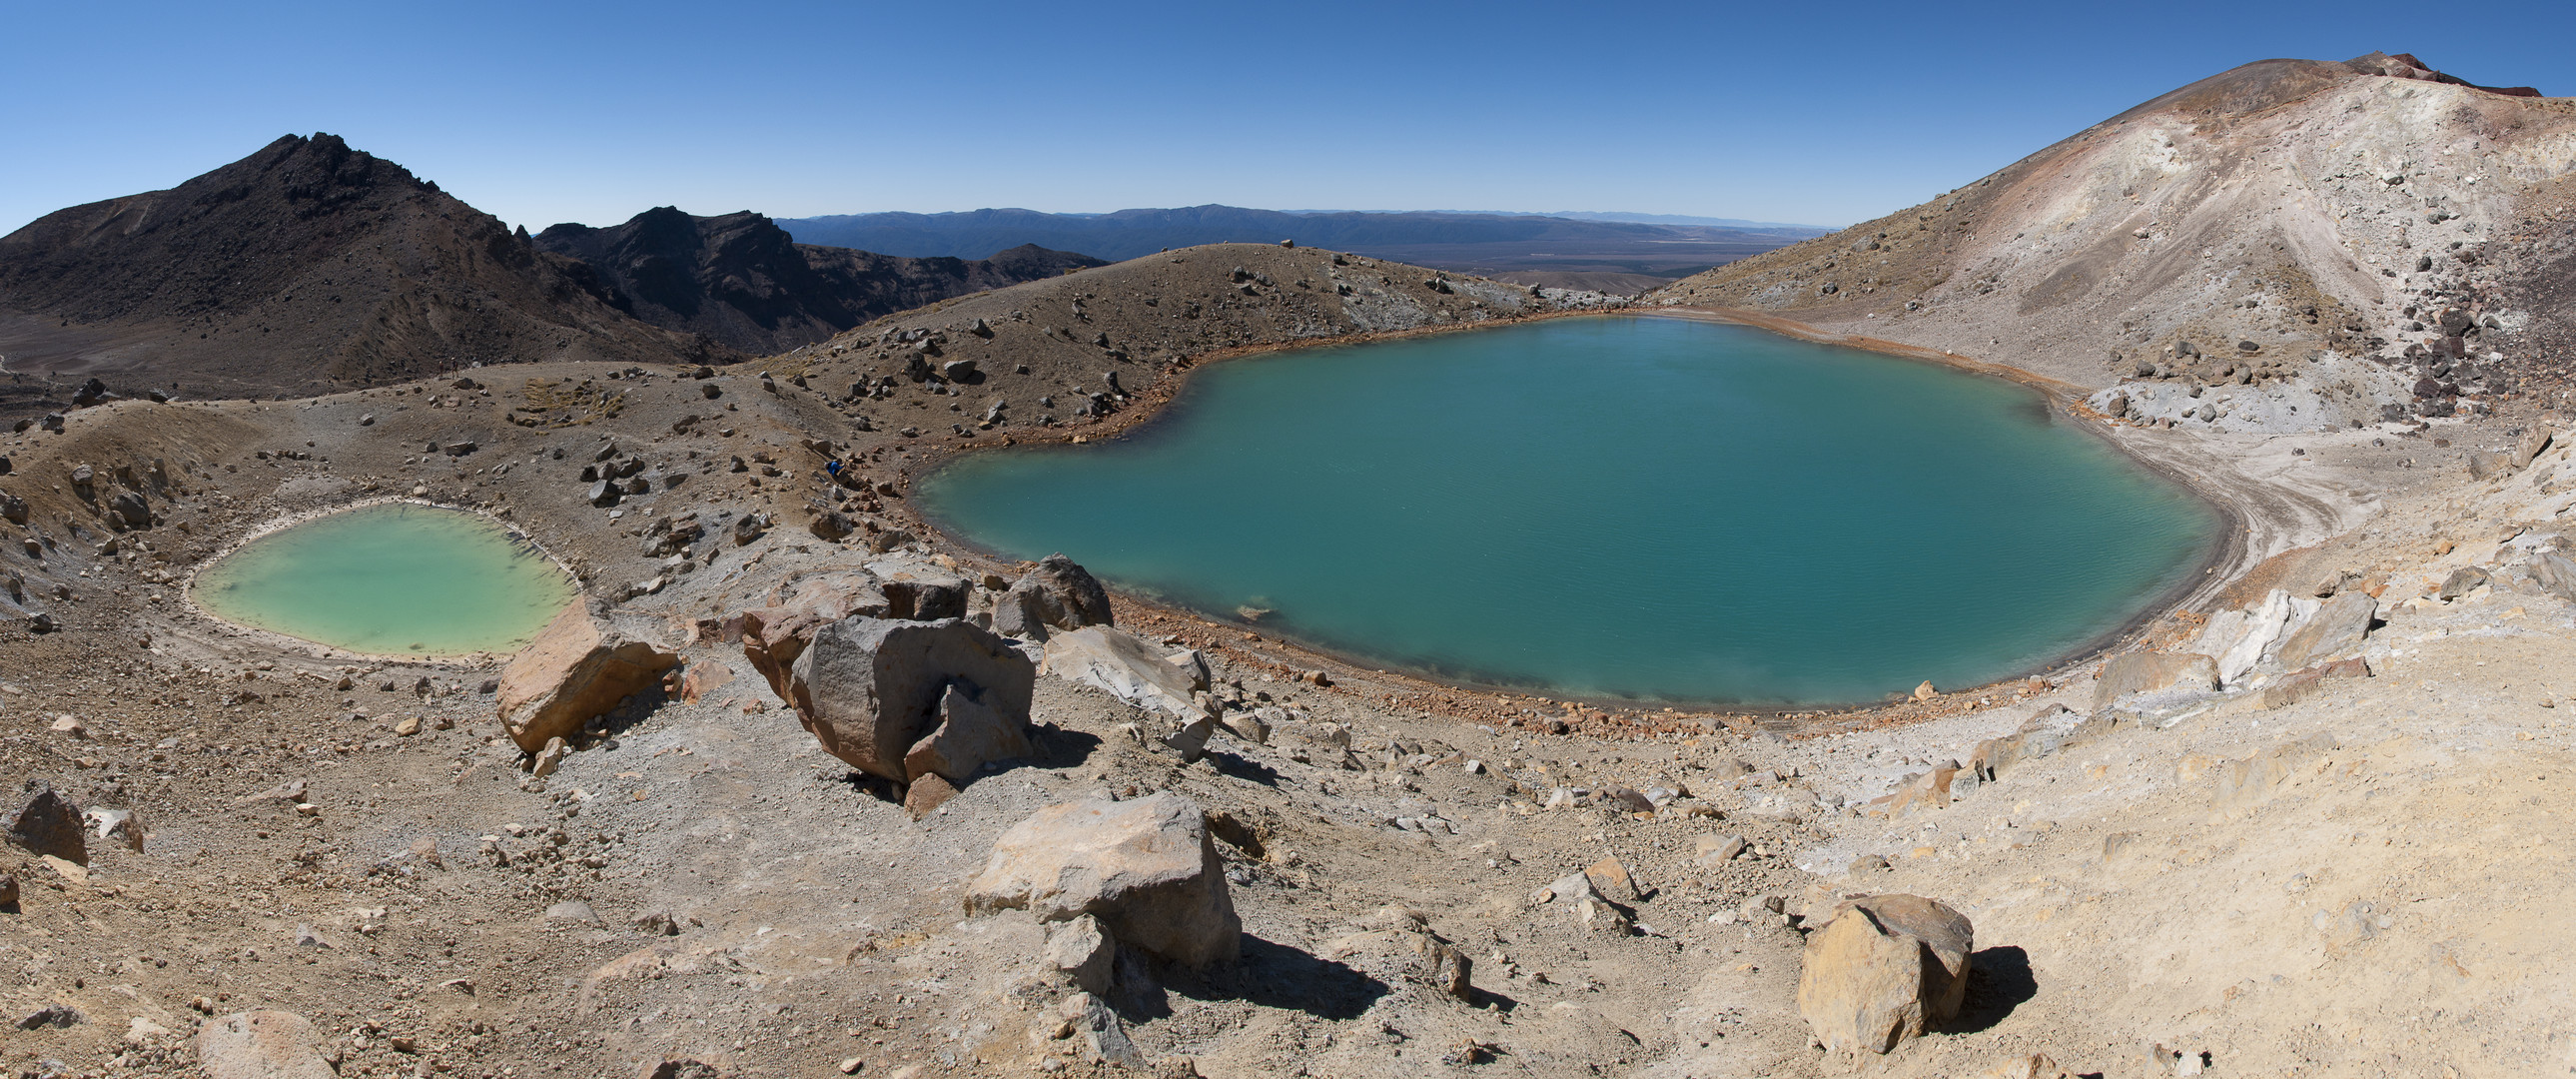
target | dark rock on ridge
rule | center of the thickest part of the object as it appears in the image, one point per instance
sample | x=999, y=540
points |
x=740, y=280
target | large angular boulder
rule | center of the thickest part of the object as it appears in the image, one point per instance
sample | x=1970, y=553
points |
x=2154, y=672
x=1054, y=594
x=1883, y=969
x=871, y=689
x=579, y=667
x=2337, y=629
x=1142, y=674
x=50, y=824
x=773, y=636
x=1145, y=868
x=263, y=1045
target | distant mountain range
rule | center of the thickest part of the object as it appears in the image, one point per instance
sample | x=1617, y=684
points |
x=1510, y=246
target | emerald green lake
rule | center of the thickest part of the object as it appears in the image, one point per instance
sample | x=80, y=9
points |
x=1646, y=508
x=391, y=579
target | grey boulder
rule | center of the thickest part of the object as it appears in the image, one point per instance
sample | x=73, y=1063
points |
x=1139, y=673
x=870, y=689
x=1054, y=594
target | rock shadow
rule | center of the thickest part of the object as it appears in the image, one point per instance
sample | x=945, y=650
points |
x=1275, y=975
x=1999, y=980
x=1237, y=767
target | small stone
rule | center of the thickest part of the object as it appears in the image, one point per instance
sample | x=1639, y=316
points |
x=1710, y=850
x=1082, y=951
x=574, y=911
x=53, y=1015
x=657, y=923
x=926, y=794
x=549, y=758
x=1611, y=880
x=8, y=892
x=408, y=727
x=852, y=1065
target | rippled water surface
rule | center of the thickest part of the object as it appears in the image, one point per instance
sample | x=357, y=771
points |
x=391, y=579
x=1633, y=507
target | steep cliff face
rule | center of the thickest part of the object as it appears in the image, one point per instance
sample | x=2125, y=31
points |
x=741, y=280
x=305, y=265
x=2286, y=221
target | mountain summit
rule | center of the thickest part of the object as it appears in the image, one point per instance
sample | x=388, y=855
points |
x=2293, y=223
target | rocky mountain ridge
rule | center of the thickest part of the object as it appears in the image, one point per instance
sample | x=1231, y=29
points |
x=305, y=266
x=2323, y=232
x=738, y=278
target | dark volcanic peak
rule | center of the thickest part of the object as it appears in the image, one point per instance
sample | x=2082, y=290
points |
x=305, y=264
x=741, y=280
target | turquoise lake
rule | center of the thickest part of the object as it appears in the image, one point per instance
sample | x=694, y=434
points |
x=392, y=579
x=1646, y=508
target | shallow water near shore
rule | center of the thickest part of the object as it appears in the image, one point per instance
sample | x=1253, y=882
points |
x=394, y=579
x=1649, y=508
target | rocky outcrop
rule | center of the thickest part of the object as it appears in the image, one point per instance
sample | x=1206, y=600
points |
x=579, y=667
x=1883, y=969
x=740, y=279
x=2154, y=673
x=876, y=692
x=1139, y=673
x=1055, y=594
x=1146, y=869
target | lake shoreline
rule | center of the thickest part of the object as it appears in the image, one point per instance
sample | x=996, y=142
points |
x=2224, y=547
x=187, y=584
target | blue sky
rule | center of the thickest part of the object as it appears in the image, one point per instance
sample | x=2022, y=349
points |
x=1816, y=113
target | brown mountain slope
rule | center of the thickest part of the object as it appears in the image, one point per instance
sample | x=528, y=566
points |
x=2284, y=224
x=303, y=266
x=741, y=280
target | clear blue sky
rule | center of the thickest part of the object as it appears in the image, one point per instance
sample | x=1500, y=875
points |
x=1816, y=113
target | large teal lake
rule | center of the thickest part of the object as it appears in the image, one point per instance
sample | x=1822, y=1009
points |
x=1645, y=508
x=391, y=579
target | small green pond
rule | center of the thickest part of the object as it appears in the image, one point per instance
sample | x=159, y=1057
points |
x=1648, y=508
x=391, y=579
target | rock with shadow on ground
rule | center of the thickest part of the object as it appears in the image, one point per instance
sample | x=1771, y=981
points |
x=874, y=691
x=579, y=667
x=1056, y=594
x=2337, y=629
x=1136, y=671
x=1146, y=869
x=1882, y=970
x=49, y=824
x=1399, y=946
